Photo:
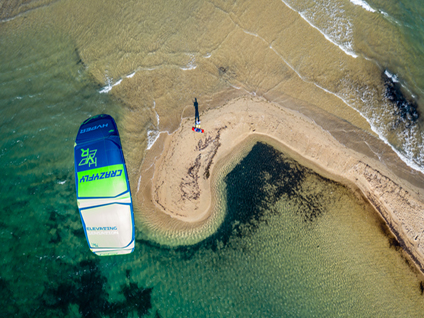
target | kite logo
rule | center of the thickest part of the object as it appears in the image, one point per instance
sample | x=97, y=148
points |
x=103, y=230
x=92, y=128
x=88, y=157
x=101, y=176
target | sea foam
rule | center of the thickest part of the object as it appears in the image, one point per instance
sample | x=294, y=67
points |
x=332, y=37
x=393, y=77
x=131, y=75
x=191, y=65
x=152, y=136
x=109, y=86
x=363, y=4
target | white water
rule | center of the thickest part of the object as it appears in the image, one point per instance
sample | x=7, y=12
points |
x=338, y=32
x=363, y=4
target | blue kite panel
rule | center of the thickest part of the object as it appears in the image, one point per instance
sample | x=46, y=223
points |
x=103, y=189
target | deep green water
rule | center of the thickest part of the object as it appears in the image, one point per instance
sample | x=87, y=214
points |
x=289, y=247
x=293, y=244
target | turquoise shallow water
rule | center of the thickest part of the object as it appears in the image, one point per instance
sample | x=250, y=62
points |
x=288, y=247
x=293, y=244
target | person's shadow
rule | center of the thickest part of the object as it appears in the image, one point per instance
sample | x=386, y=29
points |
x=196, y=110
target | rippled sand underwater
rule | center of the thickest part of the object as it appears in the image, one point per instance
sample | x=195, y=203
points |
x=156, y=56
x=143, y=63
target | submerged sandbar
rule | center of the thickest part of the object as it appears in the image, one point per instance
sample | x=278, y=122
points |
x=176, y=185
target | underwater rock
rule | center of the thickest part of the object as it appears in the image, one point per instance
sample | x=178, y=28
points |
x=406, y=110
x=89, y=293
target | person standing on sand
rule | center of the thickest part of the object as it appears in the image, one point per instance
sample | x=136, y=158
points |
x=196, y=110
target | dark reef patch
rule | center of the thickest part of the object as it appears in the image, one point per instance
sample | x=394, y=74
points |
x=262, y=178
x=55, y=238
x=136, y=299
x=407, y=111
x=393, y=242
x=78, y=58
x=88, y=291
x=396, y=242
x=7, y=302
x=79, y=233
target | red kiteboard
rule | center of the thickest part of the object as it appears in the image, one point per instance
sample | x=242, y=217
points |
x=199, y=130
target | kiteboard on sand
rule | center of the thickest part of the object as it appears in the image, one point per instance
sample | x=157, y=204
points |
x=198, y=129
x=103, y=190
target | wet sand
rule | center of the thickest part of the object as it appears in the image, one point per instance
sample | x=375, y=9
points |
x=177, y=178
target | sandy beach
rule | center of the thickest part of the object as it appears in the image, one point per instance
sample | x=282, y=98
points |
x=177, y=177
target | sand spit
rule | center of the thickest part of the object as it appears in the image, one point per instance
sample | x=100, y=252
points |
x=176, y=196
